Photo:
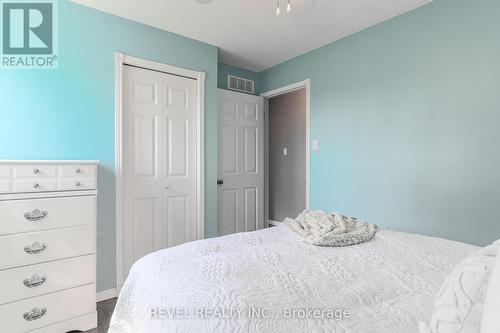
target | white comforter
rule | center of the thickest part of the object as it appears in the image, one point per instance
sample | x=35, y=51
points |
x=387, y=284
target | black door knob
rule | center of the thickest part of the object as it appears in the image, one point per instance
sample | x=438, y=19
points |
x=220, y=182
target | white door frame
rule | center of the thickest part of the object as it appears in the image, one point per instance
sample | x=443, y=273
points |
x=122, y=59
x=273, y=93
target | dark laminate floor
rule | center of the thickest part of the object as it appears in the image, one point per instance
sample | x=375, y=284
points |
x=104, y=312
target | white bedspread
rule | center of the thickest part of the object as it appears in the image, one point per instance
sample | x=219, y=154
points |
x=388, y=284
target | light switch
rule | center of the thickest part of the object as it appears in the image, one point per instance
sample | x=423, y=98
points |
x=285, y=151
x=315, y=144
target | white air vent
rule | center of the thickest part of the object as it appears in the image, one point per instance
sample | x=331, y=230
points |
x=240, y=84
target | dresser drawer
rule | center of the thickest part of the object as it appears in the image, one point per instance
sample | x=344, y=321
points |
x=35, y=185
x=22, y=317
x=5, y=172
x=35, y=280
x=5, y=186
x=75, y=184
x=35, y=171
x=17, y=216
x=69, y=171
x=37, y=247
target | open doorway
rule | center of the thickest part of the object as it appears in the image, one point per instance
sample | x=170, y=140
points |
x=287, y=152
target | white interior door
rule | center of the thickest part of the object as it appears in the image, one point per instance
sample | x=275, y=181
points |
x=241, y=162
x=159, y=162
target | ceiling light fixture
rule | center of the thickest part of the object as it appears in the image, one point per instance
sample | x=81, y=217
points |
x=278, y=7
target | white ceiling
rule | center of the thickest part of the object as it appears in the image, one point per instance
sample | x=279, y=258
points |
x=247, y=32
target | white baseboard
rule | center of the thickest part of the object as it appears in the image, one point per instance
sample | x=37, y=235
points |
x=106, y=294
x=272, y=222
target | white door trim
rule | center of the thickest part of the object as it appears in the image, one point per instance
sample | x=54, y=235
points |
x=280, y=91
x=122, y=59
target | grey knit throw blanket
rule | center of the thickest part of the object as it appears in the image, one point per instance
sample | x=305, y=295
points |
x=322, y=229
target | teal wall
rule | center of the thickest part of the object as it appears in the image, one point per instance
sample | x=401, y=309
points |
x=69, y=113
x=224, y=70
x=408, y=115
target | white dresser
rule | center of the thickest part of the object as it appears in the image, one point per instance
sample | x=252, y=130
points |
x=47, y=246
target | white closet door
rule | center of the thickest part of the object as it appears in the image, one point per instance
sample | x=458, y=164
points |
x=241, y=162
x=159, y=162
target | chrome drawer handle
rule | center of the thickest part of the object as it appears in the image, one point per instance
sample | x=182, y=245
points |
x=36, y=185
x=35, y=314
x=35, y=215
x=35, y=248
x=35, y=281
x=78, y=184
x=78, y=171
x=36, y=171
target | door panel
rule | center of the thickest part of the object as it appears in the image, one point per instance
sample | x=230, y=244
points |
x=178, y=98
x=229, y=106
x=178, y=147
x=178, y=220
x=230, y=149
x=159, y=162
x=145, y=134
x=145, y=220
x=251, y=111
x=145, y=93
x=251, y=150
x=251, y=208
x=241, y=162
x=230, y=214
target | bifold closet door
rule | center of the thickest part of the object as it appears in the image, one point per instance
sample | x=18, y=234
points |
x=241, y=162
x=159, y=162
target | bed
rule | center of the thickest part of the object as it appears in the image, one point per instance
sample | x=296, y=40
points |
x=270, y=281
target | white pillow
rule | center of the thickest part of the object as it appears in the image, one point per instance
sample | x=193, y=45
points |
x=459, y=304
x=491, y=317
